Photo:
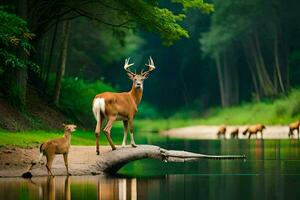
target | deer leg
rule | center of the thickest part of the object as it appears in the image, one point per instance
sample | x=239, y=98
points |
x=298, y=132
x=125, y=124
x=249, y=136
x=49, y=163
x=107, y=130
x=66, y=163
x=132, y=142
x=97, y=133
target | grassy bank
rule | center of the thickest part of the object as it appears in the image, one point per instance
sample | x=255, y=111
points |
x=35, y=138
x=281, y=111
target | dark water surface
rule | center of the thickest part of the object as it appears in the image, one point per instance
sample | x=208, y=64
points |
x=272, y=171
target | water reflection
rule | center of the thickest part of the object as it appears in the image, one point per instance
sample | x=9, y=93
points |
x=66, y=188
x=272, y=171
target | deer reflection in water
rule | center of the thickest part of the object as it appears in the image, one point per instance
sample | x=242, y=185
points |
x=90, y=187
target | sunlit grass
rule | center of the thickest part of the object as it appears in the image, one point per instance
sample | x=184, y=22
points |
x=35, y=138
x=281, y=111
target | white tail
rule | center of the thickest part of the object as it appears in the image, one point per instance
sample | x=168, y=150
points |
x=98, y=107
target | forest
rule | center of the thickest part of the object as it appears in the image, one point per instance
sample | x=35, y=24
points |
x=210, y=57
x=208, y=90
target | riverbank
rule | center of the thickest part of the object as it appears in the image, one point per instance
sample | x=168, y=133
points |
x=205, y=132
x=14, y=161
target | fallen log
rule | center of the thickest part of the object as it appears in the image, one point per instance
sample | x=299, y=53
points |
x=112, y=161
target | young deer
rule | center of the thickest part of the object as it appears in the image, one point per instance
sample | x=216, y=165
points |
x=120, y=106
x=56, y=146
x=254, y=129
x=294, y=126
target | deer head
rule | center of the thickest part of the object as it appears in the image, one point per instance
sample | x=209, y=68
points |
x=138, y=79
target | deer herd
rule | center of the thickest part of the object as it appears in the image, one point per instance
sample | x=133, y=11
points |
x=254, y=130
x=112, y=106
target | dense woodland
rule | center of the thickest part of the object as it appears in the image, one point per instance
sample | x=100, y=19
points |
x=212, y=53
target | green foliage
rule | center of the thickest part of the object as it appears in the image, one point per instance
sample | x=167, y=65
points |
x=149, y=16
x=147, y=111
x=231, y=19
x=77, y=95
x=198, y=4
x=280, y=111
x=14, y=36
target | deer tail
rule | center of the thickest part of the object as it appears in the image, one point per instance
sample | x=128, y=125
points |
x=98, y=107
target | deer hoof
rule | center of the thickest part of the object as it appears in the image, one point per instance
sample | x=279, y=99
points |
x=98, y=153
x=69, y=174
x=134, y=145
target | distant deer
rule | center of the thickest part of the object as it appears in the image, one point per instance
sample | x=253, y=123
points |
x=294, y=126
x=120, y=106
x=221, y=131
x=254, y=130
x=234, y=133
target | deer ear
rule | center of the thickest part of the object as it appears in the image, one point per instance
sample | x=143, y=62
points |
x=131, y=76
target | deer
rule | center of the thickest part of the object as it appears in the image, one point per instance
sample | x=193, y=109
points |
x=234, y=133
x=52, y=147
x=294, y=126
x=221, y=131
x=254, y=130
x=123, y=106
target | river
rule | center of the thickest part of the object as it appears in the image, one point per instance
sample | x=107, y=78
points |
x=271, y=171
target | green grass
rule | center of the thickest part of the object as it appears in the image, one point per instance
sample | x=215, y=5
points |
x=281, y=111
x=35, y=138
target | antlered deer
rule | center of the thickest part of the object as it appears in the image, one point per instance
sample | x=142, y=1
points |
x=120, y=106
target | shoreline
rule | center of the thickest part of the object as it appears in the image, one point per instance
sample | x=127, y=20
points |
x=207, y=132
x=14, y=161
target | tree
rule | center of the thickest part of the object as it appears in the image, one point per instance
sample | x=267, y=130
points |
x=62, y=62
x=242, y=26
x=15, y=38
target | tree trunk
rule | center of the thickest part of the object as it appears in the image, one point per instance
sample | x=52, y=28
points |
x=62, y=65
x=51, y=55
x=20, y=83
x=228, y=81
x=112, y=161
x=220, y=77
x=277, y=64
x=264, y=82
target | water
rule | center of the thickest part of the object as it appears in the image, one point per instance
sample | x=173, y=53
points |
x=272, y=171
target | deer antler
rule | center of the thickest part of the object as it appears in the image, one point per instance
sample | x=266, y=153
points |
x=150, y=65
x=127, y=65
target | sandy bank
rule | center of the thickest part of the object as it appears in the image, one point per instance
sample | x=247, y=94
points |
x=209, y=132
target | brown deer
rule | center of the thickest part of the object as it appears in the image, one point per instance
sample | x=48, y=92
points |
x=234, y=133
x=294, y=126
x=53, y=147
x=120, y=106
x=254, y=130
x=221, y=131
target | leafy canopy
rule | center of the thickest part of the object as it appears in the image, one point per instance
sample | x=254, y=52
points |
x=14, y=36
